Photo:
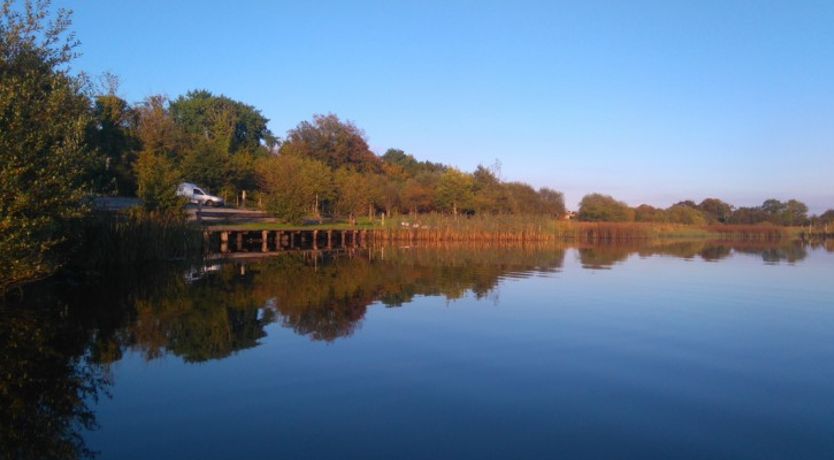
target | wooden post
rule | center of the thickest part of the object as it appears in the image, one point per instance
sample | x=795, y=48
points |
x=277, y=241
x=239, y=241
x=264, y=239
x=353, y=238
x=330, y=239
x=224, y=242
x=342, y=239
x=292, y=240
x=315, y=240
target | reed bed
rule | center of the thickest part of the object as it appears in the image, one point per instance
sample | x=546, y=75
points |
x=523, y=229
x=137, y=238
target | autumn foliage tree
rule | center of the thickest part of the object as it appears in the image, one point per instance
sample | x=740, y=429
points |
x=293, y=185
x=332, y=141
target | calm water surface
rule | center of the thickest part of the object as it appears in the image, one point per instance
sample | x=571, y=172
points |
x=686, y=350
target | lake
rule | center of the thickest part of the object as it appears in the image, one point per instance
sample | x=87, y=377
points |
x=675, y=350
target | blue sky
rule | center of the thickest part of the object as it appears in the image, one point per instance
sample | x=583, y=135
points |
x=651, y=102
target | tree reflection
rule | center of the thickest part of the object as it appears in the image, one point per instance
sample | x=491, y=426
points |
x=790, y=252
x=198, y=323
x=710, y=251
x=48, y=380
x=603, y=257
x=56, y=344
x=327, y=300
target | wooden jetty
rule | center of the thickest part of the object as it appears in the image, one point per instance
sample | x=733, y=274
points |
x=236, y=238
x=228, y=239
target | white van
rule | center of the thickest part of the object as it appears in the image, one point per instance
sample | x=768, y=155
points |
x=197, y=195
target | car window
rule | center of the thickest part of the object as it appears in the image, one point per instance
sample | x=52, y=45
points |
x=199, y=192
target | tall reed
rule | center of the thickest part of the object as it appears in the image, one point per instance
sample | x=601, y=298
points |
x=520, y=228
x=137, y=237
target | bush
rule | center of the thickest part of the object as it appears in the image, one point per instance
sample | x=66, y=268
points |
x=604, y=208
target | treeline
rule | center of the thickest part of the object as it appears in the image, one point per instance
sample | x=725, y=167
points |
x=324, y=167
x=711, y=211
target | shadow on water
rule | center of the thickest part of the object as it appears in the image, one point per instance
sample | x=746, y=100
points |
x=58, y=339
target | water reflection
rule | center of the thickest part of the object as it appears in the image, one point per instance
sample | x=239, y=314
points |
x=605, y=256
x=49, y=379
x=58, y=340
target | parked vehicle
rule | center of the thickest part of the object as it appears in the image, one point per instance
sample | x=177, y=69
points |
x=196, y=195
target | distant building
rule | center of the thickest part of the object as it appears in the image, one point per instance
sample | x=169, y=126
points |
x=570, y=215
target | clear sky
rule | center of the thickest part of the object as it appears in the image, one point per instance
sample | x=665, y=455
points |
x=651, y=102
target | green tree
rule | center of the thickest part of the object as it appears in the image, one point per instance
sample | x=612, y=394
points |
x=225, y=138
x=716, y=210
x=522, y=198
x=292, y=185
x=384, y=192
x=773, y=207
x=552, y=202
x=489, y=194
x=794, y=213
x=112, y=134
x=206, y=165
x=749, y=216
x=156, y=129
x=597, y=207
x=157, y=180
x=43, y=157
x=647, y=213
x=353, y=194
x=409, y=164
x=454, y=191
x=232, y=125
x=827, y=218
x=685, y=214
